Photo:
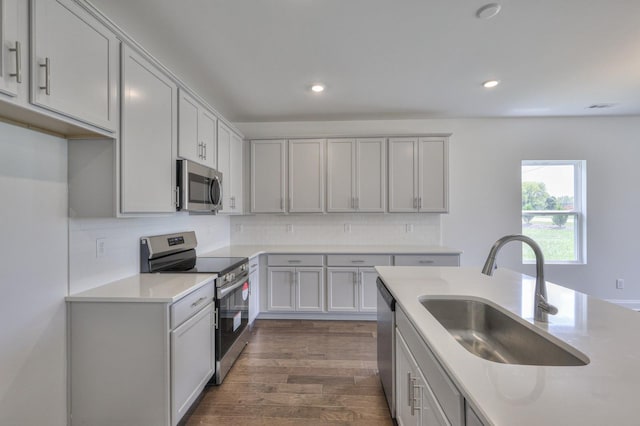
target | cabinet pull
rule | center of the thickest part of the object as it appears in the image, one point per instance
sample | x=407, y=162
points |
x=410, y=389
x=233, y=202
x=176, y=192
x=419, y=202
x=18, y=73
x=294, y=261
x=197, y=302
x=357, y=261
x=204, y=150
x=425, y=262
x=415, y=398
x=215, y=318
x=47, y=76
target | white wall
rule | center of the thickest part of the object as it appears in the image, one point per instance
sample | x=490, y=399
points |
x=33, y=277
x=485, y=157
x=122, y=244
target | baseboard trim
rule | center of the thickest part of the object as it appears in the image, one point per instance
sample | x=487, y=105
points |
x=318, y=316
x=627, y=303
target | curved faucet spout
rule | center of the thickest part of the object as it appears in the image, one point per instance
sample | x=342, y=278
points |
x=542, y=307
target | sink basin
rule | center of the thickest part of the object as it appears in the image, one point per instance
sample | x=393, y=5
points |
x=488, y=332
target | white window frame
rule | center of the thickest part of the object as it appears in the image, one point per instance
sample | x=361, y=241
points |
x=579, y=211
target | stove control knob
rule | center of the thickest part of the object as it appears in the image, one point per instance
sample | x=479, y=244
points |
x=243, y=267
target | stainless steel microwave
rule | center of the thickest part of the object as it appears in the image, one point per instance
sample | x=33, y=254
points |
x=199, y=188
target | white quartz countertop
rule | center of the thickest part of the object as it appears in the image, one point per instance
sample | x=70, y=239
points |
x=166, y=288
x=604, y=392
x=255, y=250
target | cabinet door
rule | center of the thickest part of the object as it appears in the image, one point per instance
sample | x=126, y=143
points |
x=148, y=138
x=306, y=175
x=341, y=176
x=254, y=291
x=432, y=172
x=371, y=177
x=403, y=175
x=407, y=405
x=368, y=300
x=207, y=131
x=14, y=46
x=74, y=63
x=236, y=162
x=430, y=412
x=342, y=289
x=268, y=167
x=189, y=145
x=192, y=360
x=224, y=156
x=281, y=289
x=310, y=289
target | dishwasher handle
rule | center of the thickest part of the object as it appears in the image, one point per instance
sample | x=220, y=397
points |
x=386, y=295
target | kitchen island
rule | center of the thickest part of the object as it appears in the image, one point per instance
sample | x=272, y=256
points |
x=603, y=392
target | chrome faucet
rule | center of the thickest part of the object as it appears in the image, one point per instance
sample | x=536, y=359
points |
x=542, y=307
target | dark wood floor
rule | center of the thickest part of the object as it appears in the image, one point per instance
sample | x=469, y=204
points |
x=300, y=373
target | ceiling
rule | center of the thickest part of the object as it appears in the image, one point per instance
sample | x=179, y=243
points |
x=255, y=60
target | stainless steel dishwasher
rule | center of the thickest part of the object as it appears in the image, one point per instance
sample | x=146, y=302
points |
x=386, y=344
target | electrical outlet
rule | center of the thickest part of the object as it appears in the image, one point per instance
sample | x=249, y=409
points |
x=347, y=228
x=239, y=227
x=619, y=283
x=290, y=228
x=408, y=228
x=100, y=249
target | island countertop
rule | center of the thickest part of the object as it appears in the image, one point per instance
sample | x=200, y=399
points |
x=603, y=392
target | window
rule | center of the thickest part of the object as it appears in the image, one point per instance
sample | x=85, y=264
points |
x=553, y=210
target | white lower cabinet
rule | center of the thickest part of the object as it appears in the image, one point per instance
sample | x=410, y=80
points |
x=254, y=288
x=298, y=289
x=139, y=363
x=425, y=395
x=351, y=289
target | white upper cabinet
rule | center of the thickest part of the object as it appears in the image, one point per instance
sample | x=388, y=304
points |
x=268, y=171
x=148, y=137
x=230, y=164
x=418, y=174
x=74, y=63
x=196, y=131
x=356, y=175
x=306, y=175
x=13, y=58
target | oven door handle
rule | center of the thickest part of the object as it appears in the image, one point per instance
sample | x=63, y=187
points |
x=222, y=292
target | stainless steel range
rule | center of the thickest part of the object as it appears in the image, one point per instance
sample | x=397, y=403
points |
x=176, y=253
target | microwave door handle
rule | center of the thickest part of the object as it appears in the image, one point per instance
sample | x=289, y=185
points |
x=215, y=182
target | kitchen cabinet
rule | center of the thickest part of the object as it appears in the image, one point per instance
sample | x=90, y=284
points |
x=139, y=362
x=356, y=178
x=298, y=288
x=14, y=41
x=418, y=174
x=230, y=164
x=353, y=289
x=306, y=175
x=425, y=394
x=254, y=288
x=268, y=173
x=148, y=137
x=74, y=63
x=196, y=131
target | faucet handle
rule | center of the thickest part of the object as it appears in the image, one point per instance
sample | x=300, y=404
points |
x=546, y=306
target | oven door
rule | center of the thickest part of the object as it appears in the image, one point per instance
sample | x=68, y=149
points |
x=232, y=303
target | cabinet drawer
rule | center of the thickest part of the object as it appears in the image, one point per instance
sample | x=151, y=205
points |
x=358, y=260
x=447, y=394
x=191, y=303
x=295, y=260
x=427, y=260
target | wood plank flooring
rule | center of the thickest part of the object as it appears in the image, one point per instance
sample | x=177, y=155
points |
x=300, y=373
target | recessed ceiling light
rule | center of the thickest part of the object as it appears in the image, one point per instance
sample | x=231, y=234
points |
x=490, y=84
x=488, y=11
x=317, y=88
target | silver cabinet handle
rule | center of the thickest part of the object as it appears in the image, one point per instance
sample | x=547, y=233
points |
x=426, y=262
x=294, y=261
x=357, y=261
x=18, y=73
x=47, y=76
x=233, y=202
x=204, y=150
x=410, y=389
x=176, y=192
x=215, y=319
x=415, y=398
x=200, y=150
x=197, y=302
x=419, y=202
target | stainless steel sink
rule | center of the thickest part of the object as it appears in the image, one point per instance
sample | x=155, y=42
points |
x=489, y=333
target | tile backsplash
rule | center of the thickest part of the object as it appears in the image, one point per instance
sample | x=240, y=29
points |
x=337, y=229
